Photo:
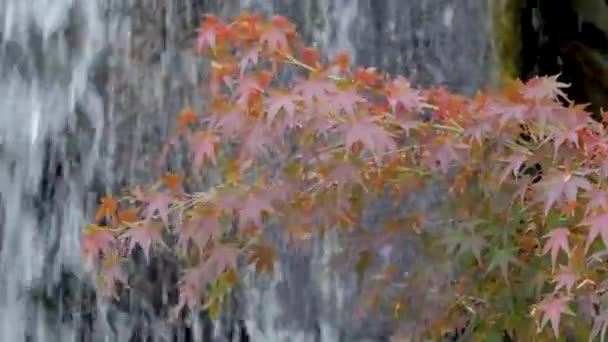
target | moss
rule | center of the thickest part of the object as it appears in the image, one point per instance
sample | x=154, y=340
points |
x=505, y=17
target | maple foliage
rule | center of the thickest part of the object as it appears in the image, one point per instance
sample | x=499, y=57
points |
x=311, y=152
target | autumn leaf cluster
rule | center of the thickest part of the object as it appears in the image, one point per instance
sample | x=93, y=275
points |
x=291, y=139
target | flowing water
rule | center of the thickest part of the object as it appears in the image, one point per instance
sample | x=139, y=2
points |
x=87, y=91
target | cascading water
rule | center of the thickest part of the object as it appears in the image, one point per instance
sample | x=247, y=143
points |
x=88, y=89
x=42, y=82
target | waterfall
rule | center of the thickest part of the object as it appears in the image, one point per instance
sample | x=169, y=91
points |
x=42, y=82
x=90, y=89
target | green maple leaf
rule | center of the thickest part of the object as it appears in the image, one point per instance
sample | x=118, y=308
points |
x=463, y=240
x=502, y=258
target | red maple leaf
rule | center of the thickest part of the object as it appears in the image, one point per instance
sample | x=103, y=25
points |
x=552, y=309
x=557, y=239
x=561, y=186
x=373, y=137
x=203, y=145
x=143, y=235
x=158, y=203
x=598, y=226
x=309, y=56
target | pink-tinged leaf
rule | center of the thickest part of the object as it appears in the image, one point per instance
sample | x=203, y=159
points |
x=553, y=308
x=199, y=230
x=278, y=192
x=138, y=193
x=228, y=202
x=401, y=93
x=222, y=257
x=258, y=140
x=110, y=273
x=158, y=203
x=543, y=113
x=598, y=226
x=97, y=239
x=203, y=145
x=586, y=304
x=253, y=208
x=345, y=100
x=315, y=89
x=373, y=137
x=603, y=169
x=408, y=125
x=251, y=56
x=557, y=239
x=247, y=86
x=275, y=39
x=478, y=131
x=444, y=155
x=191, y=287
x=566, y=278
x=544, y=88
x=206, y=38
x=600, y=325
x=514, y=167
x=598, y=199
x=566, y=135
x=285, y=102
x=144, y=235
x=230, y=124
x=561, y=186
x=507, y=112
x=343, y=173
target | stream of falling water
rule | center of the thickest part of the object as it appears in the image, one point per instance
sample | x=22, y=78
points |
x=40, y=85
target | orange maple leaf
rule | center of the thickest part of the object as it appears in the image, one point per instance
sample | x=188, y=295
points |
x=108, y=208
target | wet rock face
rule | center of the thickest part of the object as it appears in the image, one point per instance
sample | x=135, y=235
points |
x=569, y=37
